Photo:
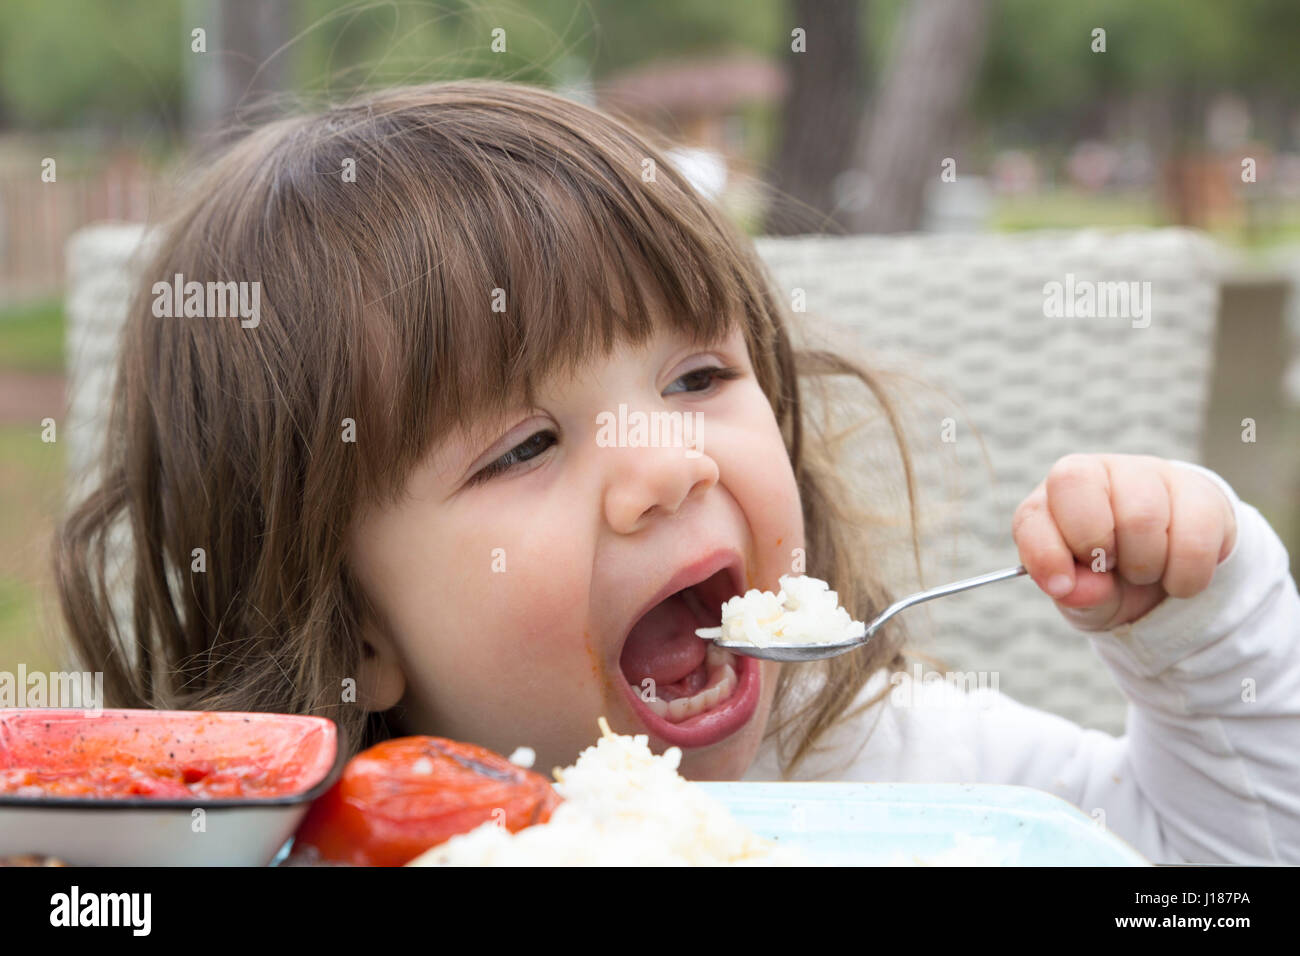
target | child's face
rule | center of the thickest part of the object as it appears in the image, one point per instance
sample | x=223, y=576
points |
x=506, y=604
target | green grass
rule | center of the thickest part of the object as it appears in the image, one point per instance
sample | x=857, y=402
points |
x=26, y=634
x=1068, y=209
x=31, y=496
x=31, y=487
x=31, y=337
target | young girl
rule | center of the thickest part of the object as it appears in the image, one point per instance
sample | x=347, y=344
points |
x=414, y=518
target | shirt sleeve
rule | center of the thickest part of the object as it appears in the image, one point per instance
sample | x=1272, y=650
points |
x=1208, y=769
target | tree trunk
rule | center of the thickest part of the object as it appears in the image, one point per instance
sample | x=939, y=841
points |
x=246, y=64
x=919, y=108
x=819, y=118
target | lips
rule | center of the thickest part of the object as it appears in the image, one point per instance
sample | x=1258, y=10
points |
x=699, y=695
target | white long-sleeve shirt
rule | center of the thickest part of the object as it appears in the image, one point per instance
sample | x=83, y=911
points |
x=1208, y=769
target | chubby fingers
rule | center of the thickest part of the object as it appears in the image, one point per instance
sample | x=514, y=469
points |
x=1161, y=528
x=1065, y=520
x=1079, y=500
x=1116, y=508
x=1142, y=503
x=1202, y=531
x=1043, y=551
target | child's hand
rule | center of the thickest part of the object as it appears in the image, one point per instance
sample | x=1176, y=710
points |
x=1161, y=528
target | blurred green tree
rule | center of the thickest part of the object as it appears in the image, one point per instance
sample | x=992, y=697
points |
x=65, y=64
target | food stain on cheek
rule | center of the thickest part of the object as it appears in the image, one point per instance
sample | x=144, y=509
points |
x=597, y=672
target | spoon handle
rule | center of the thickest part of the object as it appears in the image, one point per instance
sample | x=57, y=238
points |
x=922, y=596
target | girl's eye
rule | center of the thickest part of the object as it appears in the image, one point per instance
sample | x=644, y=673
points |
x=529, y=448
x=707, y=375
x=536, y=444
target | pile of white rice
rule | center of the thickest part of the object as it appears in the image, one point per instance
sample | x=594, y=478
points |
x=623, y=806
x=805, y=611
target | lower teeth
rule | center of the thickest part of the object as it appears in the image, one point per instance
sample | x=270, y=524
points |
x=722, y=681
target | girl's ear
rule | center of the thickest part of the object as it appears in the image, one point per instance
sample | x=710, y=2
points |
x=381, y=683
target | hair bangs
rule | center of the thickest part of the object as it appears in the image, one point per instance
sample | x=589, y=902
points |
x=546, y=271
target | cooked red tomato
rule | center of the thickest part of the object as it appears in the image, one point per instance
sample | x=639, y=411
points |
x=403, y=796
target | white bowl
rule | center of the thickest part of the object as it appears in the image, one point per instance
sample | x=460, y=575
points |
x=135, y=830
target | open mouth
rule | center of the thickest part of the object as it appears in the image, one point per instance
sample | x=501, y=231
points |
x=673, y=673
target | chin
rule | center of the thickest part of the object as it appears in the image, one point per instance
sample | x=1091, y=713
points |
x=730, y=759
x=730, y=765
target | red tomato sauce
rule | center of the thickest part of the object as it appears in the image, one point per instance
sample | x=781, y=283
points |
x=168, y=755
x=206, y=779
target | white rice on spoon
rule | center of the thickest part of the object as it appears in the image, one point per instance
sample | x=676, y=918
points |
x=804, y=611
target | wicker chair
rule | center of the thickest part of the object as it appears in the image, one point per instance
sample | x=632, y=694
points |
x=966, y=313
x=963, y=311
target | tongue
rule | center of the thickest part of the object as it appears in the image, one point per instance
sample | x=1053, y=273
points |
x=662, y=645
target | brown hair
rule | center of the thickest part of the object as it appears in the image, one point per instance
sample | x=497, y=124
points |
x=374, y=294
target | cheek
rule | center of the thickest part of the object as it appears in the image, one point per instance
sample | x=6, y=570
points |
x=509, y=612
x=768, y=495
x=540, y=624
x=492, y=628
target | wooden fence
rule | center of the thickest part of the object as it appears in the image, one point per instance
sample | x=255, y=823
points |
x=37, y=217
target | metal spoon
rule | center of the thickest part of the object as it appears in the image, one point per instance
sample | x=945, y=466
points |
x=816, y=652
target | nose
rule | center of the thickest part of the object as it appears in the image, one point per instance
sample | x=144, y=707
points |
x=645, y=482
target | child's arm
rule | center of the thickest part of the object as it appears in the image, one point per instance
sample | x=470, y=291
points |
x=1208, y=656
x=1209, y=768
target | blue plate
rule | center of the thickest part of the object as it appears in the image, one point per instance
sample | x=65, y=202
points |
x=881, y=824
